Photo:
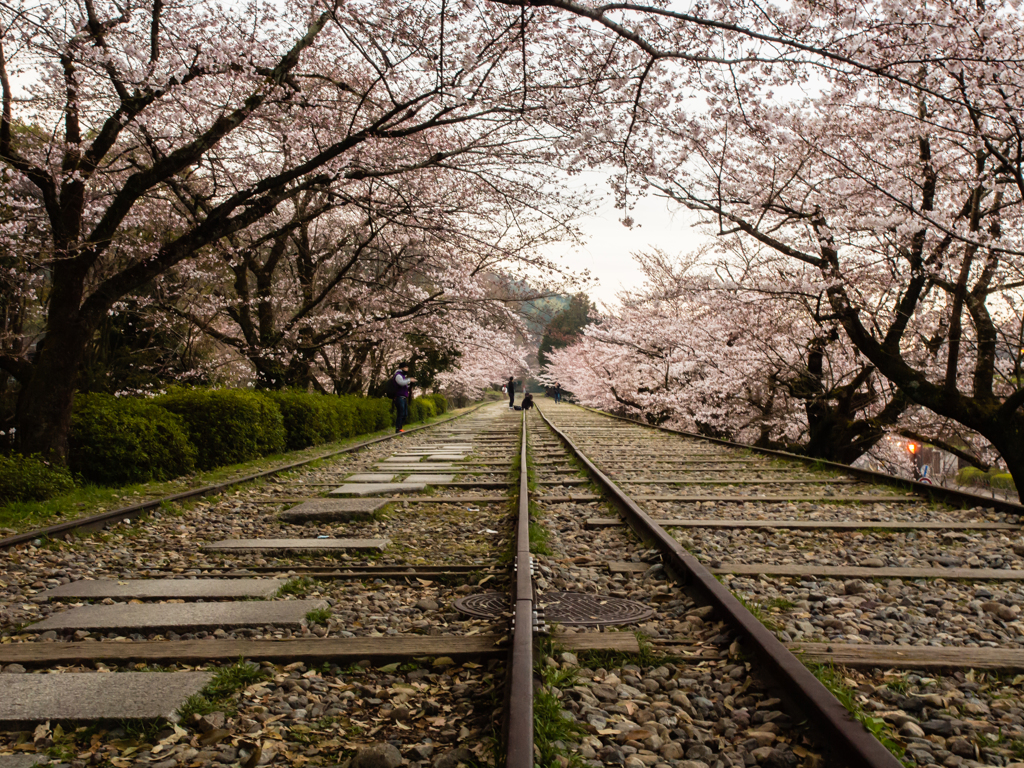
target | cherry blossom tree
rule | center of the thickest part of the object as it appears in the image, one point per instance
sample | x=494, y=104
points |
x=141, y=136
x=878, y=144
x=739, y=347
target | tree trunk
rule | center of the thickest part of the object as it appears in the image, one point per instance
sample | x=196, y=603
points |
x=44, y=418
x=1008, y=438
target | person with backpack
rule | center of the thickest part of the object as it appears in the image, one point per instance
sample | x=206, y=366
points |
x=511, y=386
x=399, y=389
x=527, y=401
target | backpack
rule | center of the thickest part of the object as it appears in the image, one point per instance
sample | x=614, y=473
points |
x=391, y=389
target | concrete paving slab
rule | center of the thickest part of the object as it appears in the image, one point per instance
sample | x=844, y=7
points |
x=424, y=467
x=374, y=489
x=22, y=761
x=166, y=589
x=333, y=510
x=399, y=460
x=270, y=546
x=181, y=617
x=428, y=479
x=446, y=457
x=370, y=477
x=91, y=696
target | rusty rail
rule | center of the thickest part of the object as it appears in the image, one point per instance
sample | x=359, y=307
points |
x=519, y=704
x=850, y=743
x=98, y=522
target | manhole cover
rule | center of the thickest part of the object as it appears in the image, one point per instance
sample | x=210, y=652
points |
x=486, y=605
x=571, y=608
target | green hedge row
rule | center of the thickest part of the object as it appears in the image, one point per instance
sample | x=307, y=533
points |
x=29, y=478
x=116, y=441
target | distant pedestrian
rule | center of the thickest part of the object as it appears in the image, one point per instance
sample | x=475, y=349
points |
x=402, y=388
x=511, y=387
x=558, y=393
x=527, y=401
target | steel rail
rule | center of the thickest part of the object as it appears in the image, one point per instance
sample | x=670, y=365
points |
x=97, y=522
x=519, y=705
x=849, y=742
x=936, y=492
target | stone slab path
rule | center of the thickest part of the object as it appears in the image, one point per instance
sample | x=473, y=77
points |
x=180, y=617
x=333, y=510
x=166, y=589
x=91, y=696
x=375, y=489
x=370, y=477
x=266, y=546
x=429, y=479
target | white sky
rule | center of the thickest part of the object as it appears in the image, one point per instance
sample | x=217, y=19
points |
x=609, y=245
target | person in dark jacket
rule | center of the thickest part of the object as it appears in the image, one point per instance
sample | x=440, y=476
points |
x=511, y=387
x=404, y=385
x=558, y=393
x=527, y=401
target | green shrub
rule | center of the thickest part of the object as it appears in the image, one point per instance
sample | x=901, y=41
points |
x=994, y=478
x=309, y=419
x=227, y=426
x=421, y=409
x=440, y=402
x=30, y=478
x=360, y=415
x=116, y=441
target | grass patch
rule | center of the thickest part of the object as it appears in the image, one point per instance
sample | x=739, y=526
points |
x=539, y=537
x=297, y=587
x=757, y=610
x=834, y=680
x=552, y=731
x=319, y=616
x=217, y=695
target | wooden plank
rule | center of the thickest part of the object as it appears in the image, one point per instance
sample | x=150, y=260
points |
x=306, y=649
x=809, y=480
x=927, y=657
x=618, y=567
x=859, y=572
x=455, y=499
x=598, y=641
x=570, y=497
x=812, y=525
x=777, y=499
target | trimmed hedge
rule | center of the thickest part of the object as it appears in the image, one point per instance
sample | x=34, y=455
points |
x=116, y=441
x=227, y=426
x=29, y=478
x=308, y=419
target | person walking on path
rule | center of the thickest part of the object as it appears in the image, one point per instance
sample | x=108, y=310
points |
x=511, y=386
x=403, y=391
x=558, y=393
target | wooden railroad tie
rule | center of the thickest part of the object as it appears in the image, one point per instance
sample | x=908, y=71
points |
x=813, y=525
x=844, y=571
x=336, y=650
x=928, y=658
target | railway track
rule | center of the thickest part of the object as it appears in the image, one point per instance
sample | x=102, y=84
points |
x=411, y=623
x=918, y=600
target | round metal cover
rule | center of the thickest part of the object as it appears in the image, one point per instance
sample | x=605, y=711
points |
x=570, y=608
x=584, y=610
x=486, y=605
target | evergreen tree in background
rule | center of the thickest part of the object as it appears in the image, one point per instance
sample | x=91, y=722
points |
x=566, y=326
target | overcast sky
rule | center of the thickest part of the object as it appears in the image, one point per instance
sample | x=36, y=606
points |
x=609, y=245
